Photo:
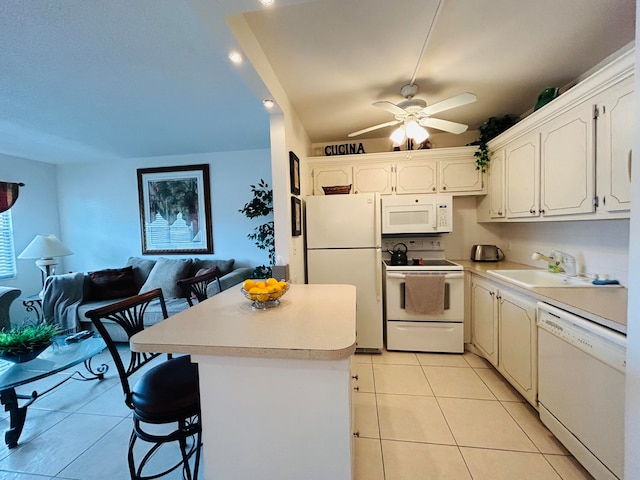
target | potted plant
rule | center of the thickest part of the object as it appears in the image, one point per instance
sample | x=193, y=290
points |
x=490, y=129
x=21, y=344
x=262, y=206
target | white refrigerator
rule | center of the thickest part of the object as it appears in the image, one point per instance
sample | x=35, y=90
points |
x=343, y=246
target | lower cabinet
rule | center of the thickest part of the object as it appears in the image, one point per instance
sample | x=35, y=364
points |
x=484, y=318
x=504, y=331
x=518, y=343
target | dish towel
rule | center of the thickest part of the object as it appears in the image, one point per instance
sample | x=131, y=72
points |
x=424, y=294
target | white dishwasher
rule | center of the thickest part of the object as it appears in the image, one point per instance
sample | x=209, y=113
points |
x=581, y=379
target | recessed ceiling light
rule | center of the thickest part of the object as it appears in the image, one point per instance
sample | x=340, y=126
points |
x=268, y=103
x=266, y=2
x=235, y=57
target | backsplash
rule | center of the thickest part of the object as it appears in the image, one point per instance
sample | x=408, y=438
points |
x=600, y=247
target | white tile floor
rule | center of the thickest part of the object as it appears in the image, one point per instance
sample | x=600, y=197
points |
x=420, y=416
x=446, y=416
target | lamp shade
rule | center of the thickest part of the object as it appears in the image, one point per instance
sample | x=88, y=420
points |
x=45, y=246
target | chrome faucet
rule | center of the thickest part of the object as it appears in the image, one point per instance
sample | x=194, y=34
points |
x=567, y=262
x=558, y=262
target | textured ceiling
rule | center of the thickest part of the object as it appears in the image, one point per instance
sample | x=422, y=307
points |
x=90, y=80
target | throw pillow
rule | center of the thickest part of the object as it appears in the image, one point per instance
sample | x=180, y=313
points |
x=165, y=275
x=225, y=266
x=112, y=283
x=141, y=269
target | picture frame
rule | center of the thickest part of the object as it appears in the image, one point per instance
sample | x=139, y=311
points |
x=175, y=210
x=294, y=173
x=296, y=217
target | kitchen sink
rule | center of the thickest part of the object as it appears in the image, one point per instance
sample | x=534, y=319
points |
x=542, y=278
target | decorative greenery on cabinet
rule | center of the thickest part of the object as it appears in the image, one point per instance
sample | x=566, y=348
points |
x=490, y=129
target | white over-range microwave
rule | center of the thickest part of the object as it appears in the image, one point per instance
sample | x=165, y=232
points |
x=426, y=213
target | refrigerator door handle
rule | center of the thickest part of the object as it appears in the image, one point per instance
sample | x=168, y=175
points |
x=377, y=220
x=378, y=274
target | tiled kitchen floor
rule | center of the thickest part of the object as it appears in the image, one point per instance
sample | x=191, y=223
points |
x=445, y=416
x=420, y=416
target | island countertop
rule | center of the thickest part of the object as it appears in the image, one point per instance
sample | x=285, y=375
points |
x=315, y=322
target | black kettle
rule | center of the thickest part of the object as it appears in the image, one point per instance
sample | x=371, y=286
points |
x=398, y=255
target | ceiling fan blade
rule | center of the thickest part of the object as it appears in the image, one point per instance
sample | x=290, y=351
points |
x=448, y=104
x=445, y=125
x=390, y=107
x=375, y=127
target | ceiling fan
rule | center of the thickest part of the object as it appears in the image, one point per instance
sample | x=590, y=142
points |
x=414, y=113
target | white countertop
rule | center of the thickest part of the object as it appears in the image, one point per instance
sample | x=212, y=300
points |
x=604, y=305
x=312, y=322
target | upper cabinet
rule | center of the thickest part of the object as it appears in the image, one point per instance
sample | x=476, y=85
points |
x=523, y=176
x=571, y=159
x=615, y=124
x=444, y=170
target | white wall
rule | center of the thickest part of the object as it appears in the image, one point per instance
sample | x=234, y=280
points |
x=99, y=214
x=35, y=212
x=599, y=246
x=467, y=232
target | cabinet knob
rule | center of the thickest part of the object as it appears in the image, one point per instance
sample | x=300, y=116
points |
x=542, y=211
x=532, y=211
x=355, y=377
x=356, y=433
x=433, y=189
x=444, y=188
x=499, y=213
x=356, y=389
x=491, y=293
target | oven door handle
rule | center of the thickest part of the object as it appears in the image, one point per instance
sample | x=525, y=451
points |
x=447, y=276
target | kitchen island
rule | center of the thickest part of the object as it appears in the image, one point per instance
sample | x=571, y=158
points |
x=274, y=384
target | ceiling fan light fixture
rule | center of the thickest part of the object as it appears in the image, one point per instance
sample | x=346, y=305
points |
x=416, y=132
x=398, y=135
x=421, y=135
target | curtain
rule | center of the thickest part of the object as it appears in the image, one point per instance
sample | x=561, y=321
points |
x=8, y=195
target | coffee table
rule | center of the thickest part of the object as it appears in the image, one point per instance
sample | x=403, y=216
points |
x=58, y=357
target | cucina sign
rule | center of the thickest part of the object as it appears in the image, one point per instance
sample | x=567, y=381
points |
x=344, y=149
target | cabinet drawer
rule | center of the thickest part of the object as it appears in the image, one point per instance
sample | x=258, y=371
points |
x=425, y=336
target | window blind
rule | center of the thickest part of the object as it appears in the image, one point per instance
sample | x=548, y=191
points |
x=7, y=252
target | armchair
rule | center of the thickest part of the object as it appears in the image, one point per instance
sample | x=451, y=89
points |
x=7, y=296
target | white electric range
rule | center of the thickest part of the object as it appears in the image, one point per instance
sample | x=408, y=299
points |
x=420, y=332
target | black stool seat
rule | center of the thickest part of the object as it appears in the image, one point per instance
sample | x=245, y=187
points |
x=167, y=392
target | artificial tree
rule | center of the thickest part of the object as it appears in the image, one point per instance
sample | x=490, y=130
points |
x=261, y=205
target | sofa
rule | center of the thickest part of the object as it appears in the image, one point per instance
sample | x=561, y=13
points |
x=66, y=298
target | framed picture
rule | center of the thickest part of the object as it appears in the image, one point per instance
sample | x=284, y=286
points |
x=296, y=217
x=294, y=173
x=175, y=210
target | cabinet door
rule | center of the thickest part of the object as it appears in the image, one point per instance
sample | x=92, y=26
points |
x=495, y=175
x=518, y=343
x=339, y=174
x=375, y=177
x=460, y=176
x=522, y=162
x=567, y=163
x=416, y=176
x=484, y=319
x=615, y=126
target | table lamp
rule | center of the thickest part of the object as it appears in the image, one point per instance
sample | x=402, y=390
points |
x=45, y=248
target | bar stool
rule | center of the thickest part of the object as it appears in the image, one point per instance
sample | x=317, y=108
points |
x=167, y=394
x=197, y=286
